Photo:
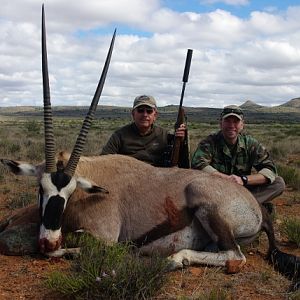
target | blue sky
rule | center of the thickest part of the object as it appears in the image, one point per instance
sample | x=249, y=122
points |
x=243, y=50
x=241, y=8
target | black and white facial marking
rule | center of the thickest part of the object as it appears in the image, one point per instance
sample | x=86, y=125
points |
x=55, y=190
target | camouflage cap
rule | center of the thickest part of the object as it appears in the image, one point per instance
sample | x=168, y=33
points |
x=144, y=100
x=232, y=110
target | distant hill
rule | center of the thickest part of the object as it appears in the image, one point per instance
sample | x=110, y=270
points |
x=289, y=108
x=295, y=103
x=288, y=112
x=20, y=109
x=250, y=105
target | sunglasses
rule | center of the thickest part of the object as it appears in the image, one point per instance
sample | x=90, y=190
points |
x=149, y=111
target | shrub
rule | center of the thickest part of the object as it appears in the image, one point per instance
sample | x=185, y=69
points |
x=3, y=173
x=22, y=200
x=13, y=148
x=109, y=272
x=291, y=227
x=297, y=163
x=285, y=146
x=32, y=127
x=10, y=147
x=35, y=151
x=277, y=152
x=290, y=175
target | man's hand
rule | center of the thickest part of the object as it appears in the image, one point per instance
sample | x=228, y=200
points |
x=254, y=179
x=233, y=178
x=180, y=131
x=236, y=179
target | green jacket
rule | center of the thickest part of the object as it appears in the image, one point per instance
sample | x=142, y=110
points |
x=149, y=148
x=213, y=154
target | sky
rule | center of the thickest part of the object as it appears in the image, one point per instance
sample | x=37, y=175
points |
x=242, y=50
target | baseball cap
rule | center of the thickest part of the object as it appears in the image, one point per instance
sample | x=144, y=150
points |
x=144, y=100
x=232, y=110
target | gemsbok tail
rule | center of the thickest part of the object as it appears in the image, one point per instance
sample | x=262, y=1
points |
x=286, y=264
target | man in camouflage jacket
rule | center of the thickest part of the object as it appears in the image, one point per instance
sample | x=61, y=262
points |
x=234, y=156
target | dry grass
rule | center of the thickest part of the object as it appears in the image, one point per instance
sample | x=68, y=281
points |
x=256, y=281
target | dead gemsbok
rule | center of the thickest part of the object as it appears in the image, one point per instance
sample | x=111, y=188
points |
x=176, y=212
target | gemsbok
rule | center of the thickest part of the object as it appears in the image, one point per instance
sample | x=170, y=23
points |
x=179, y=213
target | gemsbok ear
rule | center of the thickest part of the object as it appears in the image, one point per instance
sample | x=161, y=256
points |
x=20, y=168
x=90, y=187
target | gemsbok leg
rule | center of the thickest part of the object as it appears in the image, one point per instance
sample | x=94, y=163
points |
x=229, y=256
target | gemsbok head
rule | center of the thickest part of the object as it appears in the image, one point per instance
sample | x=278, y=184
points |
x=57, y=183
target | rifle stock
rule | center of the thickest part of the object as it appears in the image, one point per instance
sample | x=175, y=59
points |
x=180, y=146
x=177, y=143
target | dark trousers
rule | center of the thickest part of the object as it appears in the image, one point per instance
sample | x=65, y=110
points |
x=267, y=192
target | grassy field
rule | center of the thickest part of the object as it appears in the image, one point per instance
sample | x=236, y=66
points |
x=22, y=138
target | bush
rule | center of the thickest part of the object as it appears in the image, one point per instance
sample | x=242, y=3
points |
x=35, y=151
x=3, y=173
x=32, y=127
x=22, y=200
x=285, y=146
x=291, y=228
x=290, y=175
x=109, y=272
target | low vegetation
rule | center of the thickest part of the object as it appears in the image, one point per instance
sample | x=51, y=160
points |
x=214, y=294
x=109, y=272
x=291, y=228
x=105, y=272
x=291, y=175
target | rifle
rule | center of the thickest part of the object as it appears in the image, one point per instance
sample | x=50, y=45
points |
x=181, y=147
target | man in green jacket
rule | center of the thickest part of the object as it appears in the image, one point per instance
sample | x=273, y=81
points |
x=234, y=156
x=142, y=139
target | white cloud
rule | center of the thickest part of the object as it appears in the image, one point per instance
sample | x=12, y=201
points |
x=228, y=2
x=234, y=59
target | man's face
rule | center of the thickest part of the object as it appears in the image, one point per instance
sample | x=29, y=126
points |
x=144, y=116
x=231, y=127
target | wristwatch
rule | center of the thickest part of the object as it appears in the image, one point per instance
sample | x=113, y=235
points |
x=244, y=179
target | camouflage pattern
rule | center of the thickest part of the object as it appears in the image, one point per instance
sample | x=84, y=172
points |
x=144, y=100
x=248, y=153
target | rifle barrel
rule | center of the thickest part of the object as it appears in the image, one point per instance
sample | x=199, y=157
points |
x=179, y=144
x=187, y=65
x=184, y=80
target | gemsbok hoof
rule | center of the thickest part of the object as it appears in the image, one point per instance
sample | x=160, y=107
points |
x=234, y=266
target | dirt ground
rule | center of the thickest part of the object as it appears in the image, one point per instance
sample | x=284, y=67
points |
x=23, y=277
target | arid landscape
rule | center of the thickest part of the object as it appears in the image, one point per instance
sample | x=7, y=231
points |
x=21, y=138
